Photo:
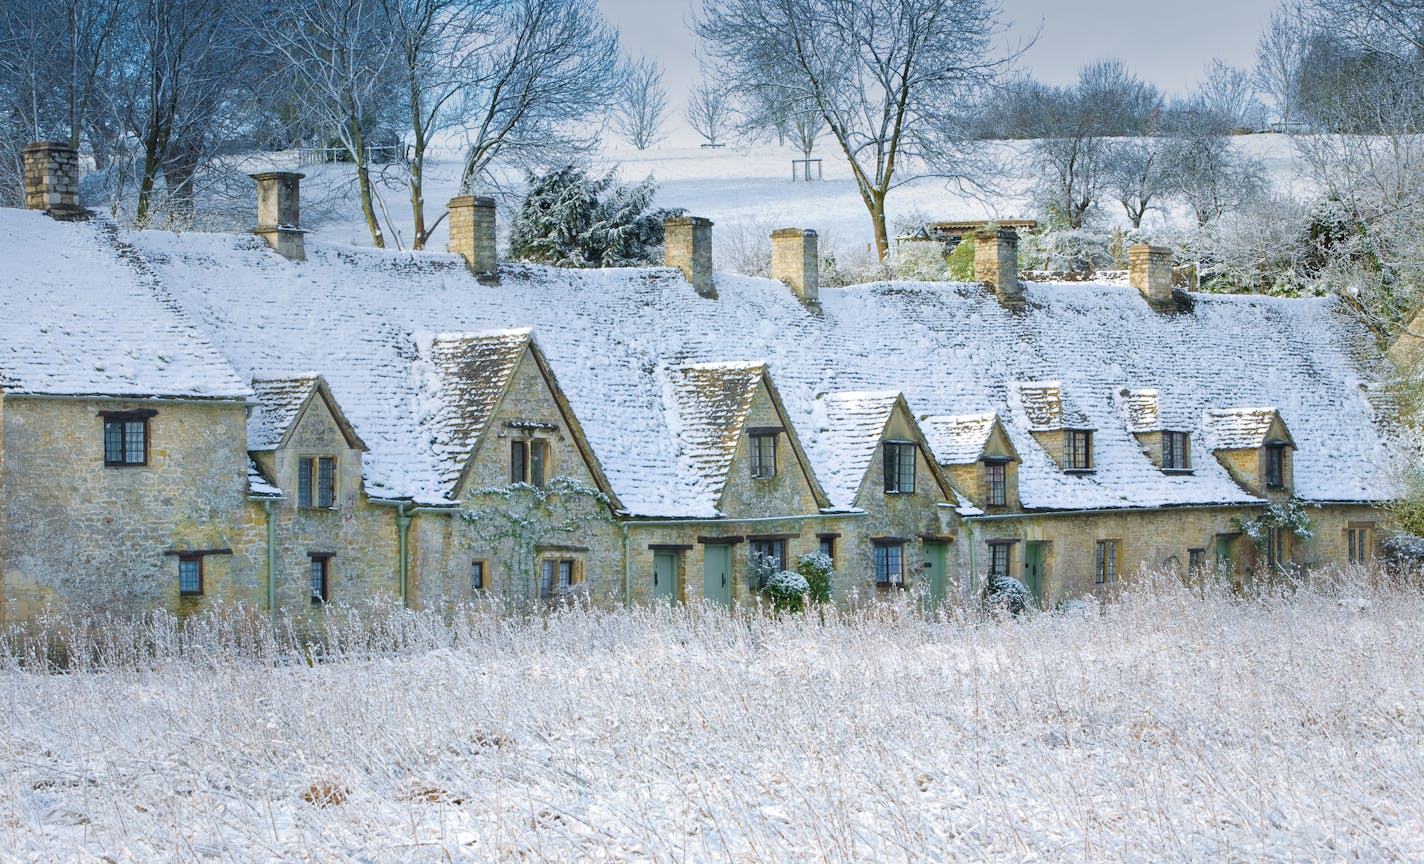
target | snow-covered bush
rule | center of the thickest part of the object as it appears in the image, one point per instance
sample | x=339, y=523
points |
x=818, y=569
x=921, y=262
x=1005, y=594
x=1290, y=517
x=787, y=591
x=569, y=219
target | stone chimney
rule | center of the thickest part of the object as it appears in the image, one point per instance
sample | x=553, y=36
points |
x=472, y=235
x=996, y=263
x=279, y=213
x=687, y=245
x=795, y=260
x=52, y=180
x=1149, y=269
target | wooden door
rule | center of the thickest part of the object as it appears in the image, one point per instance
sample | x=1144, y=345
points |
x=665, y=575
x=1033, y=570
x=936, y=572
x=717, y=572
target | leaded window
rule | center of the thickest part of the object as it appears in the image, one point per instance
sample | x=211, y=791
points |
x=316, y=482
x=996, y=483
x=1175, y=456
x=1275, y=466
x=899, y=468
x=125, y=440
x=1106, y=565
x=999, y=559
x=528, y=461
x=890, y=565
x=1078, y=450
x=763, y=448
x=190, y=575
x=320, y=579
x=556, y=577
x=1358, y=540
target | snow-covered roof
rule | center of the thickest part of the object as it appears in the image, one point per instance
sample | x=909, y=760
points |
x=961, y=439
x=465, y=375
x=847, y=428
x=257, y=483
x=279, y=402
x=84, y=315
x=613, y=337
x=1238, y=428
x=1044, y=407
x=710, y=404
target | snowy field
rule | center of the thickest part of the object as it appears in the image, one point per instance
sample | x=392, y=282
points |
x=747, y=191
x=1162, y=728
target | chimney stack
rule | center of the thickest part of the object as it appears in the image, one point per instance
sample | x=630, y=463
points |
x=687, y=245
x=795, y=260
x=279, y=213
x=472, y=235
x=1149, y=270
x=996, y=263
x=52, y=180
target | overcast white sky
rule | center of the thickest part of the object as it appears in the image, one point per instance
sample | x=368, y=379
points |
x=1167, y=43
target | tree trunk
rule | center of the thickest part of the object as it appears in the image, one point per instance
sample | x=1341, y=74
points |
x=877, y=218
x=357, y=148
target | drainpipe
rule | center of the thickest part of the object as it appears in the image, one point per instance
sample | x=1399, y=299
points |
x=627, y=570
x=973, y=574
x=271, y=561
x=403, y=520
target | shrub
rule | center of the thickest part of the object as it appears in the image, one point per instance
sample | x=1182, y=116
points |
x=817, y=568
x=961, y=260
x=569, y=219
x=1005, y=594
x=787, y=591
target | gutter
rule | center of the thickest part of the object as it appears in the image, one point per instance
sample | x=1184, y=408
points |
x=271, y=560
x=101, y=397
x=663, y=523
x=1104, y=511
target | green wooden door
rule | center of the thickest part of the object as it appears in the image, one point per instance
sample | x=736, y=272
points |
x=717, y=572
x=936, y=572
x=1033, y=570
x=664, y=576
x=1225, y=567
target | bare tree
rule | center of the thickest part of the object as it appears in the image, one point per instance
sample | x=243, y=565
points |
x=1280, y=59
x=807, y=125
x=1136, y=174
x=1203, y=168
x=544, y=68
x=1227, y=92
x=344, y=55
x=1071, y=128
x=887, y=76
x=642, y=105
x=709, y=112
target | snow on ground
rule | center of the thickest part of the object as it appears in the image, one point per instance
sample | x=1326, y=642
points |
x=1162, y=728
x=747, y=189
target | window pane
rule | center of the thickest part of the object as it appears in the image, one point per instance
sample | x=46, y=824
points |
x=828, y=548
x=134, y=449
x=318, y=580
x=566, y=573
x=477, y=575
x=190, y=576
x=882, y=565
x=518, y=459
x=113, y=441
x=996, y=475
x=304, y=483
x=895, y=564
x=906, y=464
x=892, y=470
x=537, y=451
x=326, y=482
x=547, y=573
x=763, y=450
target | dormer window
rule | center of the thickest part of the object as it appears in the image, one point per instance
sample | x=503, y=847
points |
x=1275, y=465
x=528, y=458
x=316, y=482
x=763, y=453
x=996, y=484
x=899, y=467
x=1176, y=454
x=1078, y=450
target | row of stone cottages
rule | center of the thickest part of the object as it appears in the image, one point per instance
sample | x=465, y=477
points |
x=192, y=417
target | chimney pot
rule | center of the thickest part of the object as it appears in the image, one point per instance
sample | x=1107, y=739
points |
x=795, y=260
x=687, y=245
x=1149, y=270
x=279, y=213
x=52, y=180
x=996, y=263
x=472, y=235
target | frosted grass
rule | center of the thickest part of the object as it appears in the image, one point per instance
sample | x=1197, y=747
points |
x=1163, y=726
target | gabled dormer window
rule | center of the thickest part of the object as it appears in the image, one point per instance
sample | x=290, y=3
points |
x=316, y=482
x=1275, y=465
x=996, y=484
x=899, y=467
x=763, y=454
x=1078, y=450
x=1176, y=452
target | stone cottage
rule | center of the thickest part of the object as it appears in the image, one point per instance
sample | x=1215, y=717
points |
x=188, y=419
